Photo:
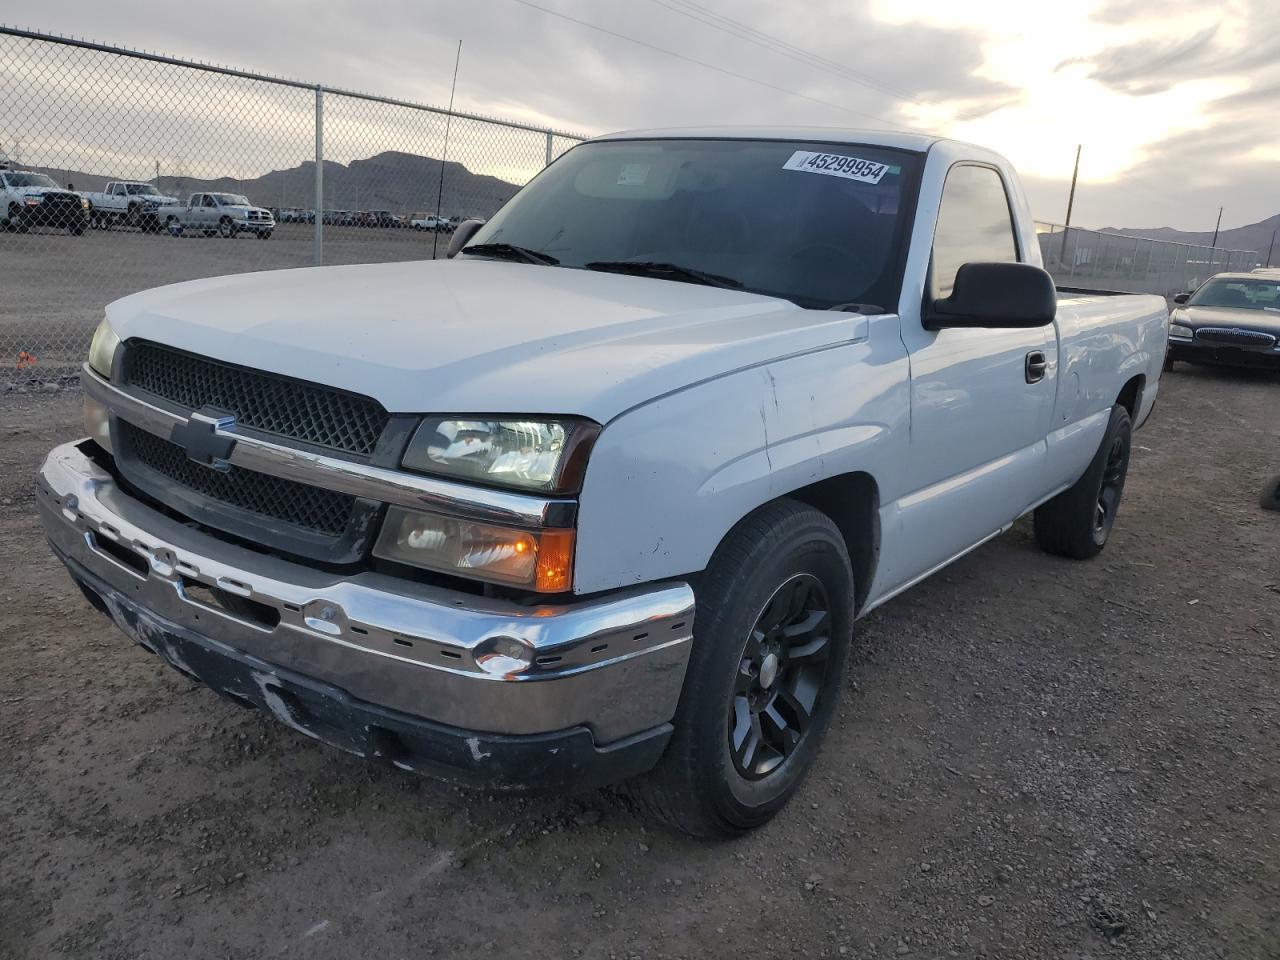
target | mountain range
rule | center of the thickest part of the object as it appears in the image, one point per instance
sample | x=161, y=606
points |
x=399, y=182
x=1255, y=236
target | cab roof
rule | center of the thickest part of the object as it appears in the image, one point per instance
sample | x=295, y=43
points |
x=915, y=142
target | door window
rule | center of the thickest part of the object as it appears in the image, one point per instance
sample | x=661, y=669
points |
x=975, y=225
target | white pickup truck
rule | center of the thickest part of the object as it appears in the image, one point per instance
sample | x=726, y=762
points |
x=130, y=202
x=225, y=214
x=600, y=498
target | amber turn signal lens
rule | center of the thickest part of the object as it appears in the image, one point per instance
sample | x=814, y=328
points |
x=555, y=561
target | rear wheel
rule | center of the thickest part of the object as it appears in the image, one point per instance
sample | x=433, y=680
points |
x=771, y=638
x=1077, y=522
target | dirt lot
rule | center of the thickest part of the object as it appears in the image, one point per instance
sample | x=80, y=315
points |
x=1034, y=758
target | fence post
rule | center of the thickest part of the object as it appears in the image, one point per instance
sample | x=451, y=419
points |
x=319, y=204
x=549, y=149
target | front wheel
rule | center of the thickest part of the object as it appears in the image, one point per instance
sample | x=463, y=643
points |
x=1077, y=522
x=226, y=229
x=771, y=638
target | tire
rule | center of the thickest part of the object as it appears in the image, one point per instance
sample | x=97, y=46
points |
x=699, y=787
x=1168, y=363
x=131, y=216
x=226, y=229
x=1077, y=522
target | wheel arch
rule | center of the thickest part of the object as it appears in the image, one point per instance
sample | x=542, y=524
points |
x=1130, y=396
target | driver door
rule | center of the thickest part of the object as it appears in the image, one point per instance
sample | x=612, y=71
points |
x=981, y=398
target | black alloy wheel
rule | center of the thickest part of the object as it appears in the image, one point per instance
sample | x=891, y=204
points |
x=1112, y=487
x=782, y=669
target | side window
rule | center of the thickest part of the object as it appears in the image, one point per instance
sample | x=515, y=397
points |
x=975, y=225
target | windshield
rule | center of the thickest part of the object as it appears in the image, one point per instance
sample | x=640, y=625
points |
x=1242, y=294
x=29, y=180
x=142, y=189
x=818, y=224
x=232, y=200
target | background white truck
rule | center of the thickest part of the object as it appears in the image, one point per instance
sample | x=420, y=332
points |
x=224, y=214
x=30, y=199
x=129, y=202
x=601, y=498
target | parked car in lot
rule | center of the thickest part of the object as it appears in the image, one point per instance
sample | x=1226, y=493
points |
x=429, y=221
x=31, y=199
x=225, y=214
x=385, y=218
x=607, y=509
x=1233, y=318
x=130, y=202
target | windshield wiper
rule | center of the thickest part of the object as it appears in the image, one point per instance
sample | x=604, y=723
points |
x=509, y=251
x=663, y=271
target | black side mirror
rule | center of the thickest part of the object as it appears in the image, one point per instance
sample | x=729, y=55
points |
x=1007, y=295
x=462, y=235
x=1182, y=298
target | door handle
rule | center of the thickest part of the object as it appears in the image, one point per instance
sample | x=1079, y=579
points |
x=1036, y=366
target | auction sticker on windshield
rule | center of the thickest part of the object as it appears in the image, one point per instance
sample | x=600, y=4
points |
x=834, y=165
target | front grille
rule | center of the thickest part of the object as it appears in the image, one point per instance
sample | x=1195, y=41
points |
x=288, y=408
x=310, y=508
x=1235, y=338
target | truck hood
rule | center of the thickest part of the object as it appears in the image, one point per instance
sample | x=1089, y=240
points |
x=1268, y=321
x=480, y=336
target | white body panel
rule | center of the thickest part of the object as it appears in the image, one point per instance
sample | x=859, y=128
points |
x=713, y=401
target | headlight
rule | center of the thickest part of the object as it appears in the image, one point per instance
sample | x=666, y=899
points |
x=84, y=202
x=103, y=348
x=540, y=560
x=534, y=454
x=1180, y=332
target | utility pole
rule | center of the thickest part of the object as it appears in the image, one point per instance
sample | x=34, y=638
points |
x=1271, y=248
x=1216, y=228
x=1071, y=201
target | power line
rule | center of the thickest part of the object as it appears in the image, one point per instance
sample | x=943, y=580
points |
x=703, y=63
x=742, y=31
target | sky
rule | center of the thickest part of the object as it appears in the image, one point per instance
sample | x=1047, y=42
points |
x=1174, y=102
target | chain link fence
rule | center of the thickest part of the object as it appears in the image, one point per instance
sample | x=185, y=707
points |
x=123, y=170
x=1107, y=261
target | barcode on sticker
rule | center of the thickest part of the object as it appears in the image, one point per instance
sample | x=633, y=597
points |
x=835, y=165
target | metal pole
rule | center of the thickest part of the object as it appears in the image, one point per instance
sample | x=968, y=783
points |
x=1217, y=227
x=444, y=154
x=1071, y=200
x=1271, y=248
x=319, y=202
x=548, y=163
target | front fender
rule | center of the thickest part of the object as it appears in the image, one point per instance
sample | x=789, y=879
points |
x=667, y=480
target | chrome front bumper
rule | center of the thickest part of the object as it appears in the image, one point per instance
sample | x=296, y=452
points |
x=613, y=665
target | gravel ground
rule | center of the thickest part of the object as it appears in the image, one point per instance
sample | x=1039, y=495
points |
x=1034, y=758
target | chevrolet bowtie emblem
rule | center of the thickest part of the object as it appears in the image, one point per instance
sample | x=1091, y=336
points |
x=199, y=437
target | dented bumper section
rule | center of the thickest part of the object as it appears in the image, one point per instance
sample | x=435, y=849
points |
x=447, y=683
